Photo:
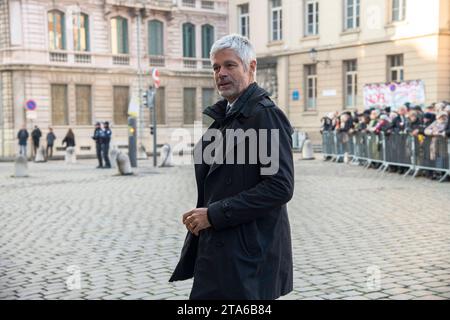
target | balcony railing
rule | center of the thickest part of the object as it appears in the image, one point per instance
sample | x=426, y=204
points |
x=196, y=64
x=83, y=58
x=123, y=60
x=58, y=57
x=189, y=63
x=157, y=61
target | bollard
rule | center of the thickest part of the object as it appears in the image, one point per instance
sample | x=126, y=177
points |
x=70, y=156
x=166, y=156
x=307, y=152
x=40, y=155
x=21, y=167
x=124, y=164
x=113, y=156
x=142, y=153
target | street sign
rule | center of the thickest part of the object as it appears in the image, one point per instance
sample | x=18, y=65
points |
x=156, y=79
x=32, y=115
x=31, y=105
x=296, y=95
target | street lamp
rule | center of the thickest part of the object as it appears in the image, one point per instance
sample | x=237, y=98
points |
x=313, y=56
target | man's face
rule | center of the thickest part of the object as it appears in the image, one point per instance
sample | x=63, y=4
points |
x=229, y=74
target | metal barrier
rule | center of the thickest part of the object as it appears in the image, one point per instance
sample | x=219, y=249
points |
x=329, y=144
x=399, y=150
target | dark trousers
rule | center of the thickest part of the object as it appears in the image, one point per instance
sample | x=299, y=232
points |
x=35, y=147
x=105, y=151
x=49, y=150
x=98, y=148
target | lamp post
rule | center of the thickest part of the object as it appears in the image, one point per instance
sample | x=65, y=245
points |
x=313, y=53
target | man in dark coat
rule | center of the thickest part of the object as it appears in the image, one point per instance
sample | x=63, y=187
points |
x=239, y=240
x=36, y=135
x=98, y=144
x=22, y=136
x=105, y=141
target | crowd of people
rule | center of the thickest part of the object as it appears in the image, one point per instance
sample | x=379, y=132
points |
x=432, y=121
x=102, y=137
x=414, y=120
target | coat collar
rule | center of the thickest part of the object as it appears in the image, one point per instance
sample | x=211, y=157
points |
x=243, y=107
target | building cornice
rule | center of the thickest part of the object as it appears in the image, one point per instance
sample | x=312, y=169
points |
x=349, y=45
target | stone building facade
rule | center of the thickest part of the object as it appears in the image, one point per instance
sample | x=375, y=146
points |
x=317, y=55
x=78, y=60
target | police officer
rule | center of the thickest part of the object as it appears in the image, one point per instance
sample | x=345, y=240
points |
x=105, y=140
x=98, y=144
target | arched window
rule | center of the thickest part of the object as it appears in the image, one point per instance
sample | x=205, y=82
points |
x=81, y=32
x=207, y=40
x=155, y=38
x=119, y=35
x=188, y=40
x=56, y=30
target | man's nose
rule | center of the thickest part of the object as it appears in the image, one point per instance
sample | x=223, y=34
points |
x=222, y=73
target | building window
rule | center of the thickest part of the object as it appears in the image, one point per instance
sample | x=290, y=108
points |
x=83, y=104
x=60, y=114
x=189, y=3
x=119, y=35
x=188, y=40
x=276, y=25
x=351, y=83
x=244, y=20
x=352, y=11
x=56, y=30
x=155, y=38
x=398, y=10
x=208, y=96
x=81, y=32
x=396, y=69
x=207, y=40
x=209, y=5
x=311, y=87
x=160, y=103
x=312, y=17
x=189, y=99
x=121, y=100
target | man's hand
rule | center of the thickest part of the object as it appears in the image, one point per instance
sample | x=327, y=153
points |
x=196, y=220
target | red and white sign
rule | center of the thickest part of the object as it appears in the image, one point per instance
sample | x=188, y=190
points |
x=156, y=79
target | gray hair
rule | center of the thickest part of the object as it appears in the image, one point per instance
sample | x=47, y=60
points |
x=239, y=44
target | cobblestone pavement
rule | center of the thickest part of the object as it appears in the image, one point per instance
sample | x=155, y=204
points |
x=357, y=234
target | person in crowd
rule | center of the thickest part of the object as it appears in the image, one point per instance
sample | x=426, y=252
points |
x=22, y=136
x=414, y=125
x=447, y=131
x=428, y=118
x=36, y=135
x=383, y=125
x=438, y=127
x=436, y=130
x=69, y=139
x=363, y=122
x=50, y=141
x=399, y=123
x=373, y=120
x=327, y=123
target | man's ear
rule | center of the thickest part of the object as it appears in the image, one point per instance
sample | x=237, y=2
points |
x=253, y=66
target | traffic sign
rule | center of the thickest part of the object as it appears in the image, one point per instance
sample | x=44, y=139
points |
x=31, y=105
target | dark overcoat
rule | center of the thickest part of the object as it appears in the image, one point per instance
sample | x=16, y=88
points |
x=247, y=253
